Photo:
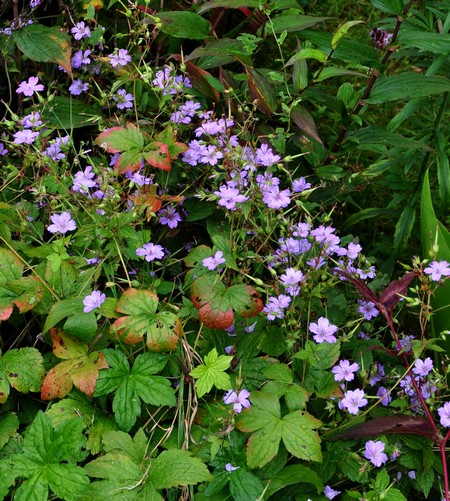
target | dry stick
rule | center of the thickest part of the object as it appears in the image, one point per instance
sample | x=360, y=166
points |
x=373, y=78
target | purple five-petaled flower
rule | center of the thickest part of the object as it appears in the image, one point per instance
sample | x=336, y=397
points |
x=353, y=400
x=374, y=452
x=344, y=370
x=61, y=223
x=213, y=262
x=92, y=301
x=150, y=251
x=437, y=269
x=323, y=331
x=239, y=399
x=29, y=87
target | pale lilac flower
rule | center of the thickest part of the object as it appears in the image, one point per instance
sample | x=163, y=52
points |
x=423, y=367
x=230, y=467
x=299, y=185
x=276, y=199
x=363, y=274
x=80, y=30
x=229, y=349
x=213, y=262
x=323, y=331
x=377, y=375
x=330, y=493
x=239, y=400
x=62, y=223
x=25, y=136
x=385, y=397
x=77, y=87
x=150, y=251
x=138, y=179
x=3, y=150
x=170, y=217
x=81, y=58
x=300, y=230
x=123, y=99
x=353, y=400
x=323, y=233
x=32, y=120
x=169, y=83
x=374, y=452
x=120, y=59
x=265, y=156
x=316, y=262
x=344, y=371
x=30, y=87
x=353, y=250
x=291, y=276
x=266, y=181
x=84, y=180
x=412, y=474
x=53, y=151
x=93, y=301
x=35, y=3
x=437, y=269
x=229, y=197
x=368, y=309
x=276, y=305
x=405, y=343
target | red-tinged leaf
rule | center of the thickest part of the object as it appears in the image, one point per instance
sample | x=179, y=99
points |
x=261, y=91
x=79, y=368
x=305, y=122
x=5, y=312
x=365, y=292
x=215, y=302
x=388, y=425
x=118, y=139
x=200, y=80
x=129, y=161
x=168, y=137
x=157, y=155
x=161, y=331
x=390, y=296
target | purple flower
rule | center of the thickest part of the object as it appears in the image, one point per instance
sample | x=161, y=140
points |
x=35, y=3
x=3, y=150
x=30, y=87
x=265, y=156
x=276, y=305
x=211, y=155
x=77, y=87
x=291, y=277
x=276, y=199
x=368, y=309
x=437, y=269
x=330, y=493
x=62, y=223
x=170, y=84
x=120, y=59
x=25, y=136
x=214, y=261
x=384, y=395
x=323, y=234
x=81, y=58
x=381, y=38
x=300, y=185
x=423, y=367
x=405, y=343
x=32, y=120
x=230, y=467
x=93, y=301
x=123, y=99
x=80, y=30
x=53, y=151
x=170, y=217
x=323, y=331
x=444, y=414
x=84, y=180
x=374, y=452
x=150, y=251
x=344, y=371
x=229, y=197
x=239, y=400
x=353, y=400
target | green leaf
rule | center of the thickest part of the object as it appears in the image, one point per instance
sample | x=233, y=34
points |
x=161, y=330
x=342, y=31
x=389, y=6
x=174, y=468
x=280, y=373
x=11, y=267
x=316, y=54
x=261, y=91
x=133, y=386
x=229, y=4
x=82, y=326
x=406, y=86
x=68, y=113
x=23, y=369
x=61, y=310
x=9, y=424
x=294, y=474
x=107, y=467
x=375, y=136
x=181, y=24
x=437, y=43
x=335, y=71
x=44, y=44
x=295, y=22
x=443, y=170
x=244, y=485
x=405, y=224
x=212, y=373
x=295, y=429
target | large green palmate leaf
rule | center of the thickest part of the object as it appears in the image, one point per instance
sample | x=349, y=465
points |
x=216, y=302
x=433, y=231
x=142, y=323
x=296, y=429
x=45, y=44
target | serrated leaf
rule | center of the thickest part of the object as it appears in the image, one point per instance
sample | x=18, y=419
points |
x=244, y=485
x=9, y=424
x=45, y=44
x=106, y=467
x=174, y=467
x=216, y=302
x=212, y=373
x=295, y=429
x=131, y=386
x=79, y=368
x=294, y=474
x=21, y=368
x=162, y=330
